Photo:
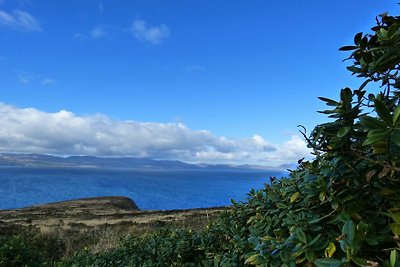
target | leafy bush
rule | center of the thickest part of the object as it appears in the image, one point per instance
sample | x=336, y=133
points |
x=29, y=248
x=165, y=248
x=343, y=208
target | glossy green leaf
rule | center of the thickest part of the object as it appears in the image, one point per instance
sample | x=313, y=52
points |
x=310, y=255
x=354, y=69
x=372, y=123
x=314, y=240
x=396, y=116
x=254, y=241
x=343, y=131
x=371, y=241
x=346, y=95
x=395, y=216
x=330, y=250
x=360, y=262
x=298, y=232
x=393, y=258
x=344, y=245
x=365, y=83
x=252, y=259
x=395, y=227
x=357, y=38
x=329, y=102
x=396, y=137
x=364, y=42
x=300, y=260
x=379, y=150
x=348, y=230
x=392, y=30
x=294, y=197
x=376, y=135
x=317, y=220
x=382, y=33
x=332, y=111
x=348, y=48
x=383, y=111
x=322, y=196
x=327, y=262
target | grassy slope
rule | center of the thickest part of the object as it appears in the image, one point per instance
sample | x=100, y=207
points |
x=98, y=223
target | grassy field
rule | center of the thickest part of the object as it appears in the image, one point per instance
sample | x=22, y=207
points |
x=97, y=224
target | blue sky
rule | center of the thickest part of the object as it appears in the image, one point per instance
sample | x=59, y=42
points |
x=232, y=79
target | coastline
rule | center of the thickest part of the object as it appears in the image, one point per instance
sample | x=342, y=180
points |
x=111, y=211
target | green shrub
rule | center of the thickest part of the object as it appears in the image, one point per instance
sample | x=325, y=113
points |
x=343, y=208
x=164, y=248
x=30, y=248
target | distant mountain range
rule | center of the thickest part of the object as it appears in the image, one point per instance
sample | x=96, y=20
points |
x=38, y=160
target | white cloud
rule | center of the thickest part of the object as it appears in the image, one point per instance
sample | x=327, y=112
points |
x=47, y=81
x=64, y=133
x=258, y=151
x=29, y=78
x=79, y=36
x=95, y=33
x=19, y=20
x=150, y=34
x=98, y=32
x=24, y=78
x=100, y=8
x=6, y=18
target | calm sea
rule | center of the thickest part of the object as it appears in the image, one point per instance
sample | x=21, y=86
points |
x=166, y=190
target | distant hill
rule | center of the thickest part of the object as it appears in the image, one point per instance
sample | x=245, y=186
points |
x=39, y=160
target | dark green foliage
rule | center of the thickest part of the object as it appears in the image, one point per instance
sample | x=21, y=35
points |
x=30, y=248
x=164, y=248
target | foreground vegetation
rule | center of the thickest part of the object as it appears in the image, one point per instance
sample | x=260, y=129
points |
x=44, y=235
x=341, y=209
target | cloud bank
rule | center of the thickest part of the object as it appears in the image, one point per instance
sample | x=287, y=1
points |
x=150, y=34
x=30, y=130
x=19, y=20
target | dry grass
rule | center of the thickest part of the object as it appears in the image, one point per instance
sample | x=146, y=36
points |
x=97, y=224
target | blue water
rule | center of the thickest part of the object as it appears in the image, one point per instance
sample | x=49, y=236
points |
x=21, y=187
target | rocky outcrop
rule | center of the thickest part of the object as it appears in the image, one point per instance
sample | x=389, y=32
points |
x=77, y=208
x=115, y=211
